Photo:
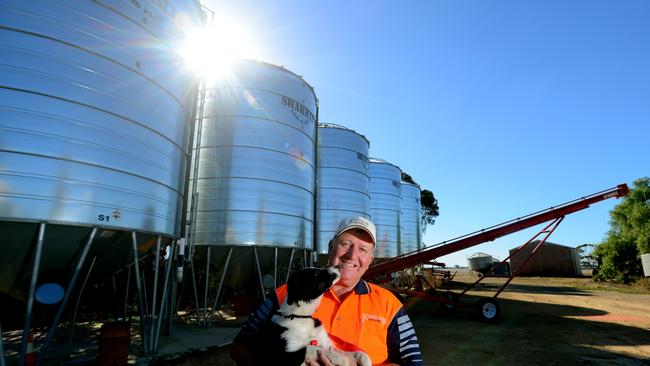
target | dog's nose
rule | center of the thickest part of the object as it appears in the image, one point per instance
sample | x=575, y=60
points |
x=335, y=272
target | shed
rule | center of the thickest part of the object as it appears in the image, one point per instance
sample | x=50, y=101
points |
x=551, y=260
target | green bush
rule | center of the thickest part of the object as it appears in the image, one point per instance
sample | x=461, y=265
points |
x=629, y=237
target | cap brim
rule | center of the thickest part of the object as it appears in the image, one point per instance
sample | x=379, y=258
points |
x=360, y=227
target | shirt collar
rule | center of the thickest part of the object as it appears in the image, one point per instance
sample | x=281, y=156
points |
x=362, y=288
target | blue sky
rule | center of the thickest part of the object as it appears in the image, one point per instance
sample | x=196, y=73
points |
x=500, y=108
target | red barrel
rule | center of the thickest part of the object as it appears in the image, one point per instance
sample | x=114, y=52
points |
x=244, y=304
x=114, y=339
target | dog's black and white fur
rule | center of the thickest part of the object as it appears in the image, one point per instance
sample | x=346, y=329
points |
x=292, y=333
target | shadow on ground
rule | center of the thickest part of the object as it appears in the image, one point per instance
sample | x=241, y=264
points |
x=523, y=288
x=526, y=334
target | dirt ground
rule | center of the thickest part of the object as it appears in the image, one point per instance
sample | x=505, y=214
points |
x=544, y=321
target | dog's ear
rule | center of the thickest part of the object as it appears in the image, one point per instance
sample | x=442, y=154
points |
x=299, y=279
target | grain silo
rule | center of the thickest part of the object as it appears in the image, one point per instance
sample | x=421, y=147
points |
x=385, y=206
x=411, y=236
x=95, y=110
x=481, y=262
x=342, y=180
x=256, y=173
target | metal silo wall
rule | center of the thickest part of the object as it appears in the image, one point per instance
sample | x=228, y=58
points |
x=95, y=114
x=411, y=236
x=342, y=180
x=94, y=117
x=256, y=171
x=385, y=206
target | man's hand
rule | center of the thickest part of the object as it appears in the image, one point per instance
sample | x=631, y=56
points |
x=316, y=356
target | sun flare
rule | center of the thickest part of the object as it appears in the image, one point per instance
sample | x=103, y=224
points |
x=209, y=51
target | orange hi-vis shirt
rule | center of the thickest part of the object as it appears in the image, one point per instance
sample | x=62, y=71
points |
x=361, y=319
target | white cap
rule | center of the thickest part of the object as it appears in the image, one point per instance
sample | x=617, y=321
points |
x=358, y=222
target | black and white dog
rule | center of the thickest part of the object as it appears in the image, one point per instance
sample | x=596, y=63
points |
x=292, y=334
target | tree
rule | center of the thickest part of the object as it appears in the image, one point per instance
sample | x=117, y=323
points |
x=428, y=203
x=618, y=259
x=587, y=260
x=407, y=178
x=628, y=237
x=631, y=217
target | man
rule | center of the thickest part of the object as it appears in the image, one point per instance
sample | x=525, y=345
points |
x=355, y=313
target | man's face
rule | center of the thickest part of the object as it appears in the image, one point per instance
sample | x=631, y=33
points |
x=352, y=252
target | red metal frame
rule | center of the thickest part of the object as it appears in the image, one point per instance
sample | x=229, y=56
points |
x=382, y=272
x=453, y=298
x=548, y=230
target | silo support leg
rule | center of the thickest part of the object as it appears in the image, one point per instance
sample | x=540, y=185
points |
x=163, y=300
x=293, y=250
x=115, y=295
x=155, y=292
x=76, y=307
x=259, y=272
x=173, y=287
x=73, y=280
x=187, y=270
x=205, y=293
x=275, y=267
x=196, y=293
x=32, y=290
x=145, y=300
x=136, y=269
x=112, y=280
x=126, y=291
x=223, y=276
